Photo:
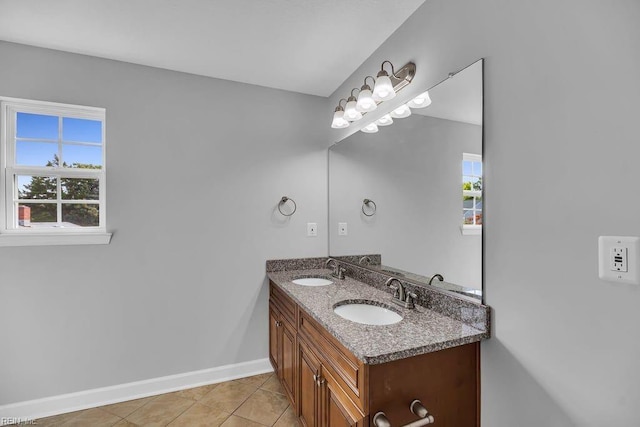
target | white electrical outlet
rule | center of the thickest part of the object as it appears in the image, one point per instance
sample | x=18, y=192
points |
x=312, y=229
x=342, y=229
x=619, y=259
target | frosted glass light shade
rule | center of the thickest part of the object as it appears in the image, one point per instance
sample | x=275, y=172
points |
x=383, y=90
x=401, y=112
x=421, y=101
x=351, y=113
x=365, y=102
x=370, y=128
x=385, y=120
x=338, y=120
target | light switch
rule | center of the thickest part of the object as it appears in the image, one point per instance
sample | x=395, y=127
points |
x=342, y=229
x=619, y=259
x=312, y=229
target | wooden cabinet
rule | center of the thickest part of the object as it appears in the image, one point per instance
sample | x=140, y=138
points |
x=321, y=400
x=329, y=387
x=282, y=349
x=274, y=347
x=288, y=358
x=336, y=407
x=308, y=408
x=447, y=382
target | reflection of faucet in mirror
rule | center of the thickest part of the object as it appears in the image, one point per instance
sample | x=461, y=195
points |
x=436, y=276
x=338, y=271
x=365, y=260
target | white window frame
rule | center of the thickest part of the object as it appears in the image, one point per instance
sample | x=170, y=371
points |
x=10, y=233
x=472, y=229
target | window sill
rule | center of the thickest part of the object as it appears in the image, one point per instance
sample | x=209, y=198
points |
x=471, y=230
x=54, y=239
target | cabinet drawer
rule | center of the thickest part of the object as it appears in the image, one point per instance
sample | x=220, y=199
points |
x=347, y=369
x=283, y=302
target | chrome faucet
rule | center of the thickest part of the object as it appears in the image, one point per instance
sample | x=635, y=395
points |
x=338, y=270
x=436, y=276
x=401, y=296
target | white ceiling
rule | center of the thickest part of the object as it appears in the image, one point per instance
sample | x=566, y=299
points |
x=307, y=46
x=458, y=98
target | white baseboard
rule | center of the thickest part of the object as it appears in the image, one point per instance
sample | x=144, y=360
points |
x=54, y=405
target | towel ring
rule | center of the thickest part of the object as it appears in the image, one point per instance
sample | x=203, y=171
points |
x=367, y=202
x=284, y=200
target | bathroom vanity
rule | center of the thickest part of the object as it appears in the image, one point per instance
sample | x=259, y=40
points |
x=337, y=372
x=405, y=208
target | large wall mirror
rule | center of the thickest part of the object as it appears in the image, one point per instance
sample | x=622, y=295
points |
x=408, y=199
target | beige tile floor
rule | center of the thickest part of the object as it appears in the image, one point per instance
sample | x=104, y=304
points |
x=247, y=402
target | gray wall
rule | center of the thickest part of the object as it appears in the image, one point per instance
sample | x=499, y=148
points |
x=194, y=175
x=561, y=127
x=412, y=171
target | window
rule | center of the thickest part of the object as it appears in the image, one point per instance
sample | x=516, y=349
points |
x=53, y=174
x=471, y=193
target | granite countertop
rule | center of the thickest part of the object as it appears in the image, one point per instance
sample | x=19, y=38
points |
x=420, y=331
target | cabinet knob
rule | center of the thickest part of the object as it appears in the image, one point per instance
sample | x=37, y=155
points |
x=319, y=380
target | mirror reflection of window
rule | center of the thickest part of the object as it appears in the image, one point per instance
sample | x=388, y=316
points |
x=471, y=192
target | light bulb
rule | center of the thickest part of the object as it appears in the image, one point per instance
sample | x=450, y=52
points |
x=421, y=101
x=370, y=128
x=385, y=120
x=350, y=111
x=365, y=102
x=401, y=112
x=338, y=120
x=383, y=89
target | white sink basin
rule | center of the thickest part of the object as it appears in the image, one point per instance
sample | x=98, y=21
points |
x=367, y=314
x=312, y=281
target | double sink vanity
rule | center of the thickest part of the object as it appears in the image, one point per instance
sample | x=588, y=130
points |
x=347, y=355
x=389, y=336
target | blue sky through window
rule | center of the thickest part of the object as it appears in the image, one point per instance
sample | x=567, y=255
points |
x=81, y=130
x=471, y=171
x=37, y=126
x=46, y=127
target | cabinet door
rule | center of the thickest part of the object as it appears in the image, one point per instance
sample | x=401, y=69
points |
x=274, y=331
x=336, y=408
x=288, y=359
x=309, y=372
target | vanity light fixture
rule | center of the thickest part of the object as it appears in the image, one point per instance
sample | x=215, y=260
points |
x=351, y=113
x=366, y=103
x=421, y=101
x=383, y=90
x=401, y=112
x=339, y=121
x=370, y=128
x=385, y=87
x=385, y=120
